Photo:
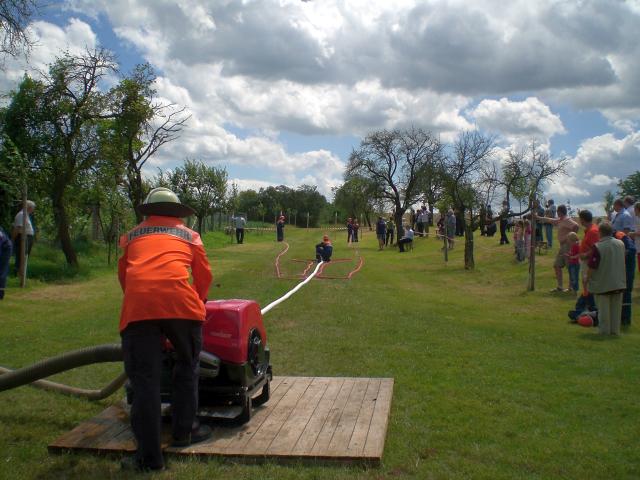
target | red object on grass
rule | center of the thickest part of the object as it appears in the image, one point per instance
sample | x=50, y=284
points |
x=585, y=320
x=227, y=326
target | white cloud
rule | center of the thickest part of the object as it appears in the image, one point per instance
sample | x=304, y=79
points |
x=515, y=120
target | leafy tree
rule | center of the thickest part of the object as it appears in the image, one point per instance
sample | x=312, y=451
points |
x=356, y=196
x=198, y=185
x=608, y=202
x=53, y=122
x=630, y=185
x=393, y=160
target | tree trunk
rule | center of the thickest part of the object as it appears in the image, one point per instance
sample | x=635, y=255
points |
x=200, y=219
x=62, y=222
x=397, y=215
x=136, y=193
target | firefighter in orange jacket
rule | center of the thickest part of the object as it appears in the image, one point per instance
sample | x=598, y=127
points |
x=159, y=301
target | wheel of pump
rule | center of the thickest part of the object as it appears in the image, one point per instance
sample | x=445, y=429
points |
x=245, y=416
x=256, y=353
x=264, y=395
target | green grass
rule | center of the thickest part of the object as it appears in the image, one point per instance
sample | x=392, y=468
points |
x=490, y=380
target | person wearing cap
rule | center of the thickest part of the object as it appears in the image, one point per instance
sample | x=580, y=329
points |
x=160, y=254
x=16, y=234
x=324, y=250
x=280, y=228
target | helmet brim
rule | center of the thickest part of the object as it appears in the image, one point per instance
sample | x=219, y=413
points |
x=166, y=209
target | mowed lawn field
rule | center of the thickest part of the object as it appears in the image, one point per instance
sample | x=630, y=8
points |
x=490, y=380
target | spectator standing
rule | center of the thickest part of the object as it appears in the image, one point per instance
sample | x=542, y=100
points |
x=630, y=273
x=5, y=257
x=518, y=237
x=539, y=212
x=450, y=228
x=550, y=212
x=504, y=215
x=239, y=223
x=280, y=228
x=565, y=225
x=406, y=239
x=356, y=227
x=391, y=227
x=590, y=238
x=527, y=238
x=607, y=279
x=621, y=220
x=420, y=220
x=381, y=230
x=636, y=233
x=16, y=234
x=573, y=262
x=349, y=230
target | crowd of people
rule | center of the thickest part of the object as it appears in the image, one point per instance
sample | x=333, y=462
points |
x=600, y=266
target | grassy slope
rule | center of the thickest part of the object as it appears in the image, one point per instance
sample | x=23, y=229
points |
x=491, y=382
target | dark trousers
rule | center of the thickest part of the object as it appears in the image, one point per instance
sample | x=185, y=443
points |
x=18, y=248
x=420, y=227
x=503, y=232
x=239, y=235
x=142, y=351
x=630, y=267
x=5, y=256
x=389, y=236
x=402, y=242
x=280, y=234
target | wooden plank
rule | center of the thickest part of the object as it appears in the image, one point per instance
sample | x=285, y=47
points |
x=342, y=435
x=263, y=437
x=293, y=427
x=361, y=429
x=333, y=418
x=248, y=430
x=317, y=418
x=374, y=445
x=308, y=437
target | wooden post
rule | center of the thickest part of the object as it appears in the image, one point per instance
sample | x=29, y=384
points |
x=307, y=219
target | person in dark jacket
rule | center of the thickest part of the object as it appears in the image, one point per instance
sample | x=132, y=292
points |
x=381, y=230
x=5, y=255
x=280, y=228
x=630, y=272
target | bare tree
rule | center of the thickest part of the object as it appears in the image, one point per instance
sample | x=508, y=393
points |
x=142, y=126
x=14, y=18
x=393, y=160
x=539, y=168
x=466, y=172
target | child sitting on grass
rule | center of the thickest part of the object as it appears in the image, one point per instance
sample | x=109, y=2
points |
x=573, y=262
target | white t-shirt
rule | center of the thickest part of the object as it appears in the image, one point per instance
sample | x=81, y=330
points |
x=18, y=223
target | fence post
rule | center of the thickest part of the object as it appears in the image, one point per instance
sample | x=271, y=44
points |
x=307, y=219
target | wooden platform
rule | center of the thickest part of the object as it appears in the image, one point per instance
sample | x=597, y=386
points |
x=322, y=418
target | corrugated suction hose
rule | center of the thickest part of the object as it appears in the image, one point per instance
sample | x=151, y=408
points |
x=33, y=374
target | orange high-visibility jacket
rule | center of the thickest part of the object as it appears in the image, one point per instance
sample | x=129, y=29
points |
x=154, y=271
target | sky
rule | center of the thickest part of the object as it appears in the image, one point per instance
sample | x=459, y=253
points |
x=281, y=91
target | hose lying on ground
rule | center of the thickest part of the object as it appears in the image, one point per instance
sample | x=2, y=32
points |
x=66, y=361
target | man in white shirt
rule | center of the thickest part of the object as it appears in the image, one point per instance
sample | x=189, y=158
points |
x=621, y=220
x=16, y=233
x=240, y=223
x=407, y=238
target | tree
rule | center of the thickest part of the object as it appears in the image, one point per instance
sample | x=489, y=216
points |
x=630, y=185
x=356, y=196
x=198, y=185
x=14, y=18
x=608, y=202
x=53, y=122
x=140, y=128
x=432, y=180
x=465, y=171
x=393, y=160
